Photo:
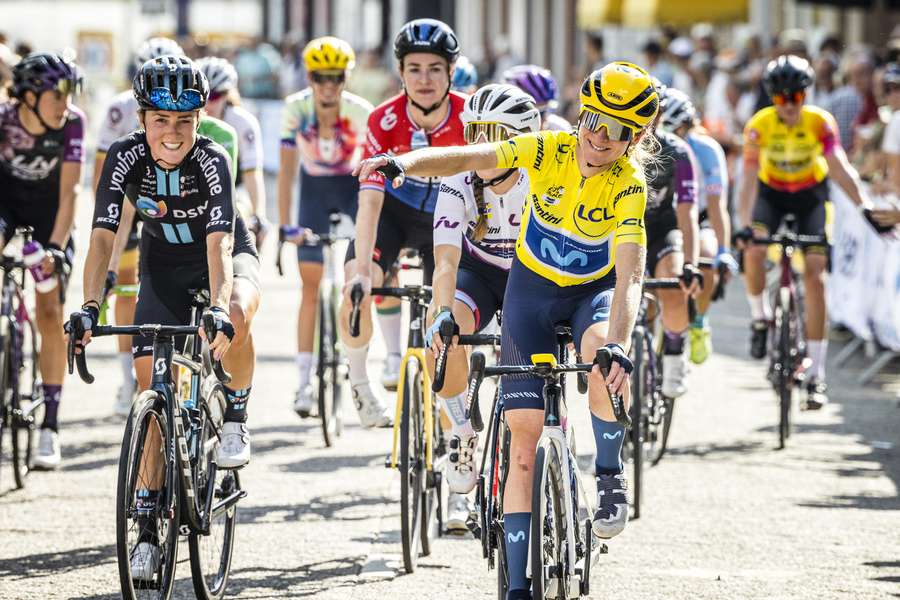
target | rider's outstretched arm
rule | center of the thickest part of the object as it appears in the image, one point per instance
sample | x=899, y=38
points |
x=435, y=162
x=630, y=260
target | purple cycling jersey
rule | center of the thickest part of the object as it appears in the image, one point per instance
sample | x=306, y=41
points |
x=672, y=178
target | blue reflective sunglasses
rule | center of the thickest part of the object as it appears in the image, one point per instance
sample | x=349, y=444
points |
x=188, y=100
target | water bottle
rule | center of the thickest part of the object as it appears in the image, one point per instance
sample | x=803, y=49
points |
x=32, y=256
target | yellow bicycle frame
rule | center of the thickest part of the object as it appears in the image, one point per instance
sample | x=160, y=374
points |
x=419, y=354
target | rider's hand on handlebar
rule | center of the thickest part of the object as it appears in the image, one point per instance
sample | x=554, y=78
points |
x=294, y=235
x=691, y=279
x=112, y=278
x=387, y=165
x=221, y=342
x=363, y=280
x=433, y=337
x=619, y=371
x=80, y=325
x=741, y=238
x=54, y=259
x=724, y=257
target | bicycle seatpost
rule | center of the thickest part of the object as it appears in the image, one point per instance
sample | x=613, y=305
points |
x=356, y=296
x=603, y=359
x=476, y=375
x=447, y=330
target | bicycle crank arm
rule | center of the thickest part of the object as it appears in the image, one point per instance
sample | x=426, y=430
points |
x=226, y=503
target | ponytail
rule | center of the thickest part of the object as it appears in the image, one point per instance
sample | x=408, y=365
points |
x=481, y=225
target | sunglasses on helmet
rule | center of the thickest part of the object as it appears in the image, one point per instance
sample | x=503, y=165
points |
x=161, y=98
x=490, y=132
x=322, y=78
x=593, y=121
x=788, y=98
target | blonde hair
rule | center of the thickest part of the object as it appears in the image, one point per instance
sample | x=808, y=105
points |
x=646, y=151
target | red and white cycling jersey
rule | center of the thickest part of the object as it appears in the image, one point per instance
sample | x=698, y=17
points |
x=391, y=130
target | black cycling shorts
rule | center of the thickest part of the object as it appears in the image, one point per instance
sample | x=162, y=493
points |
x=807, y=206
x=401, y=226
x=480, y=286
x=660, y=245
x=164, y=298
x=319, y=196
x=532, y=309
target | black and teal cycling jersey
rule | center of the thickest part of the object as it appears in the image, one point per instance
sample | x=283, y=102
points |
x=180, y=206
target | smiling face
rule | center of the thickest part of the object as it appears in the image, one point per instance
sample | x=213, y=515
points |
x=426, y=77
x=170, y=135
x=595, y=149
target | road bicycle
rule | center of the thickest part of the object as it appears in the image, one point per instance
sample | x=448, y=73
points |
x=196, y=498
x=331, y=367
x=561, y=545
x=787, y=343
x=21, y=400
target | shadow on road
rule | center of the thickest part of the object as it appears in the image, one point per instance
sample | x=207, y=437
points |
x=329, y=463
x=303, y=580
x=53, y=563
x=345, y=507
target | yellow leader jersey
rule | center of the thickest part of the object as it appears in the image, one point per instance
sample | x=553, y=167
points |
x=790, y=158
x=571, y=226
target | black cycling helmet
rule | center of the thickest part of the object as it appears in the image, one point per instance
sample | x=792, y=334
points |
x=42, y=71
x=426, y=35
x=891, y=74
x=788, y=74
x=172, y=83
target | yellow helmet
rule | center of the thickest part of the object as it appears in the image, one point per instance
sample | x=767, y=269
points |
x=328, y=54
x=623, y=91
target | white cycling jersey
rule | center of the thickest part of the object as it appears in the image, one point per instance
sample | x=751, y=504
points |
x=554, y=122
x=456, y=213
x=121, y=119
x=250, y=152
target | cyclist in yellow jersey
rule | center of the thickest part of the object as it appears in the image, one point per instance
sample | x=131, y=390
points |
x=580, y=257
x=793, y=148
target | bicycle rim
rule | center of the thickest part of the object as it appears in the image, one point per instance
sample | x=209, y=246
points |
x=211, y=554
x=502, y=568
x=432, y=496
x=324, y=372
x=548, y=527
x=784, y=376
x=636, y=436
x=412, y=468
x=144, y=417
x=337, y=374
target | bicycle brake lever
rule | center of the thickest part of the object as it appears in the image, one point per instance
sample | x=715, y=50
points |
x=447, y=330
x=356, y=295
x=476, y=375
x=209, y=328
x=603, y=359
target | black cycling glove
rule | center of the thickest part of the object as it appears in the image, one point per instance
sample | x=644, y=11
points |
x=222, y=322
x=690, y=273
x=619, y=356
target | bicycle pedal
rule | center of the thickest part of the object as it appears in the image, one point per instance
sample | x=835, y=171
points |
x=387, y=463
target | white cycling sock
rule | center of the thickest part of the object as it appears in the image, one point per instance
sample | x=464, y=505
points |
x=759, y=308
x=356, y=360
x=390, y=323
x=304, y=365
x=817, y=351
x=126, y=362
x=456, y=410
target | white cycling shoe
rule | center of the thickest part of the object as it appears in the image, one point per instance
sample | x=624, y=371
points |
x=462, y=477
x=372, y=411
x=125, y=398
x=674, y=373
x=390, y=377
x=458, y=511
x=234, y=449
x=144, y=562
x=48, y=454
x=304, y=403
x=611, y=515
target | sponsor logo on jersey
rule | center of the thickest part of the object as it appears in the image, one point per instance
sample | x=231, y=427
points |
x=150, y=208
x=388, y=120
x=553, y=194
x=544, y=214
x=125, y=159
x=208, y=165
x=115, y=115
x=539, y=155
x=36, y=169
x=446, y=189
x=592, y=221
x=602, y=305
x=444, y=222
x=550, y=252
x=631, y=189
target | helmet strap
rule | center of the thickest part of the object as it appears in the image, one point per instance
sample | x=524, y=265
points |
x=500, y=178
x=37, y=113
x=433, y=107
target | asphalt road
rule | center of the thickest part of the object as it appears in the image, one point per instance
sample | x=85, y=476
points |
x=726, y=515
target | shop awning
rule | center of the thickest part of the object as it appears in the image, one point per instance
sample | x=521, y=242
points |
x=596, y=13
x=649, y=13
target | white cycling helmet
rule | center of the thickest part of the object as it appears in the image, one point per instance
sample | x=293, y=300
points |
x=503, y=104
x=220, y=73
x=154, y=48
x=676, y=109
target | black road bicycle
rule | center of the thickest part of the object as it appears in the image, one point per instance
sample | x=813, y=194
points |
x=196, y=498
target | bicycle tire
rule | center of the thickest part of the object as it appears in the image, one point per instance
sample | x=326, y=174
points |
x=325, y=372
x=548, y=527
x=502, y=567
x=8, y=404
x=22, y=425
x=433, y=493
x=636, y=435
x=785, y=377
x=143, y=410
x=411, y=463
x=209, y=585
x=338, y=373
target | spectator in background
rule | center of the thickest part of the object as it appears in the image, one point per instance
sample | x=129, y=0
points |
x=259, y=71
x=23, y=49
x=371, y=80
x=680, y=49
x=703, y=59
x=831, y=44
x=655, y=62
x=292, y=77
x=593, y=45
x=890, y=144
x=826, y=68
x=854, y=103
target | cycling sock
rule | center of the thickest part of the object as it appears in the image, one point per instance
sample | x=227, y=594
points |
x=608, y=435
x=356, y=361
x=146, y=520
x=51, y=406
x=817, y=351
x=701, y=321
x=516, y=528
x=758, y=308
x=390, y=320
x=456, y=410
x=236, y=412
x=673, y=342
x=304, y=365
x=126, y=362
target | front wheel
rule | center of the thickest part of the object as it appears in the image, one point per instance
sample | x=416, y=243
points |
x=143, y=466
x=635, y=437
x=548, y=527
x=433, y=497
x=412, y=463
x=328, y=371
x=784, y=376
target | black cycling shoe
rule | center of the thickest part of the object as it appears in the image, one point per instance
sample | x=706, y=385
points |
x=816, y=394
x=759, y=338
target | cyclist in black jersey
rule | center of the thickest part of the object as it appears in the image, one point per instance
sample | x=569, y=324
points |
x=181, y=187
x=41, y=157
